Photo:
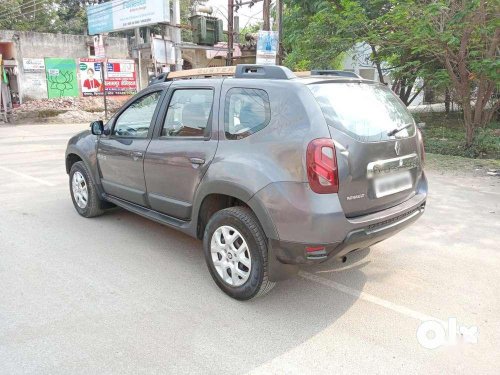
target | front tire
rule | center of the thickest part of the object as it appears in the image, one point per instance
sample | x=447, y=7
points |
x=83, y=191
x=236, y=253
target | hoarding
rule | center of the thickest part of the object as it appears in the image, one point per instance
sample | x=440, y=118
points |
x=120, y=77
x=90, y=77
x=163, y=51
x=61, y=78
x=126, y=14
x=267, y=47
x=33, y=65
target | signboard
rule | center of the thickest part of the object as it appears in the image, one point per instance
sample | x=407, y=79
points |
x=267, y=47
x=163, y=51
x=121, y=77
x=99, y=47
x=126, y=14
x=90, y=77
x=61, y=77
x=33, y=65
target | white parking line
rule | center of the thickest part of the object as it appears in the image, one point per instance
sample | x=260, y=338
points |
x=39, y=180
x=370, y=298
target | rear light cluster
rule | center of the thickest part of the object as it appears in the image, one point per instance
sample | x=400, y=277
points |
x=322, y=170
x=422, y=147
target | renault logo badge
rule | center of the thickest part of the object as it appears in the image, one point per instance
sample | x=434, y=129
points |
x=397, y=147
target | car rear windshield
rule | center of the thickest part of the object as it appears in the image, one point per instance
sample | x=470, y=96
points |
x=364, y=111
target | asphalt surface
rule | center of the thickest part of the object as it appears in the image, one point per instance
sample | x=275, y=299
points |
x=119, y=294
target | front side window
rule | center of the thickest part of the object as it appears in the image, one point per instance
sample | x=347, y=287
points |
x=366, y=112
x=135, y=121
x=188, y=113
x=246, y=111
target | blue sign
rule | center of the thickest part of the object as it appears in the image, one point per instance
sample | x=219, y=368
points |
x=126, y=14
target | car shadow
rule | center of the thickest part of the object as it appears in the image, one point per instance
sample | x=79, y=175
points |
x=293, y=312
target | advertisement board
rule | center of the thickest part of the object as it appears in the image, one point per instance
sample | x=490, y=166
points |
x=33, y=65
x=163, y=51
x=126, y=14
x=61, y=78
x=90, y=77
x=267, y=47
x=120, y=77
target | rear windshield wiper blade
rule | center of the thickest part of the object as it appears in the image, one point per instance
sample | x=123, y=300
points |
x=397, y=130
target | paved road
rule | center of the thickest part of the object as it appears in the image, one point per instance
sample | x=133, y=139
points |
x=119, y=294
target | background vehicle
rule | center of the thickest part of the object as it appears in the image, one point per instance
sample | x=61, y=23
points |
x=269, y=170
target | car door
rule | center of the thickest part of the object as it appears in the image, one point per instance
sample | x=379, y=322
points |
x=120, y=155
x=182, y=147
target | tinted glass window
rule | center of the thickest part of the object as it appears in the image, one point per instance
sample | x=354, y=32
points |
x=366, y=112
x=188, y=113
x=136, y=119
x=246, y=111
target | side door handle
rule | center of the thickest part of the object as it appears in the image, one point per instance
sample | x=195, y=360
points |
x=198, y=161
x=136, y=155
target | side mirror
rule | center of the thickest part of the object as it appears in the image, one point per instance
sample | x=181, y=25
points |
x=421, y=125
x=97, y=127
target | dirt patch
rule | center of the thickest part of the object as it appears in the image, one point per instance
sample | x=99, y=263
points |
x=459, y=166
x=66, y=110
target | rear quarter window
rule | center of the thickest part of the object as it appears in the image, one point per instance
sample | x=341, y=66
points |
x=246, y=111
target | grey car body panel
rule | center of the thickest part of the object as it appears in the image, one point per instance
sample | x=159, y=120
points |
x=171, y=176
x=267, y=171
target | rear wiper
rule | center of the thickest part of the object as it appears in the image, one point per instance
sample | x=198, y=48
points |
x=397, y=130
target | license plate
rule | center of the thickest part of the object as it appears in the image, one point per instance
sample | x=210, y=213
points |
x=393, y=183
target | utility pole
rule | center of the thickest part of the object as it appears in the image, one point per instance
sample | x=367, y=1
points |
x=176, y=34
x=230, y=32
x=266, y=11
x=279, y=6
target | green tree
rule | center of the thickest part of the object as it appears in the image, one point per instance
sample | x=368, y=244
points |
x=28, y=15
x=462, y=38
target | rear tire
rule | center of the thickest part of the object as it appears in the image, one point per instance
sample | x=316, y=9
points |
x=236, y=253
x=83, y=191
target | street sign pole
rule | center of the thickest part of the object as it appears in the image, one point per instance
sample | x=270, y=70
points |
x=104, y=90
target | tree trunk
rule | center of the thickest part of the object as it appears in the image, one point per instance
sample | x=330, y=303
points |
x=468, y=122
x=447, y=100
x=377, y=64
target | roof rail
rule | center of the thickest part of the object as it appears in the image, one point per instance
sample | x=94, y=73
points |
x=239, y=71
x=263, y=71
x=320, y=72
x=224, y=71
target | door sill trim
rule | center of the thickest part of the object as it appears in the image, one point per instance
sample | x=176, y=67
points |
x=150, y=214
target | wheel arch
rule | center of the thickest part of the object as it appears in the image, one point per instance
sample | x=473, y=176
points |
x=220, y=195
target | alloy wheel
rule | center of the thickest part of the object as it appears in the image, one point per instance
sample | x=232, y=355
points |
x=80, y=190
x=231, y=255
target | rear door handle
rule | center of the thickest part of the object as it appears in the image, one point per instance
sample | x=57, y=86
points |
x=136, y=155
x=198, y=161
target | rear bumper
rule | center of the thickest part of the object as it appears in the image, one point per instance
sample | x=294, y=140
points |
x=344, y=235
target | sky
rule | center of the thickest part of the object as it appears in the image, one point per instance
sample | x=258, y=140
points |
x=247, y=15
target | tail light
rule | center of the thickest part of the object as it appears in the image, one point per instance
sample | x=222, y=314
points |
x=422, y=147
x=322, y=171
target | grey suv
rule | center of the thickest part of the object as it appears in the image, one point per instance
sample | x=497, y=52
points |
x=271, y=171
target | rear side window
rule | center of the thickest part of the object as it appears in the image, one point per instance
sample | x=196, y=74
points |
x=246, y=111
x=366, y=112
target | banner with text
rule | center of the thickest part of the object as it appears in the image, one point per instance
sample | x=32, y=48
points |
x=126, y=14
x=90, y=77
x=121, y=77
x=267, y=47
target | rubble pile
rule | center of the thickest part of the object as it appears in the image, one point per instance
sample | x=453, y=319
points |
x=66, y=110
